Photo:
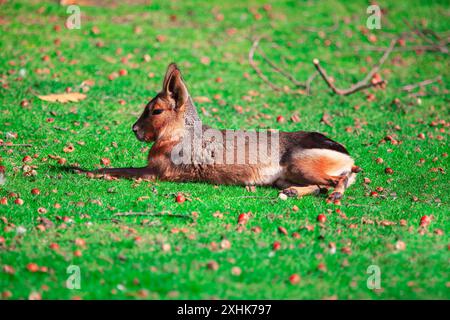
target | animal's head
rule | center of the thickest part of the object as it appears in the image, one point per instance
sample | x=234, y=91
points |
x=164, y=115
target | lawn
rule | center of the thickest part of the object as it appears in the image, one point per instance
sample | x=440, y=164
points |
x=197, y=249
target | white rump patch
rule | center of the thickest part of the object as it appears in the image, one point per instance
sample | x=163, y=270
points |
x=343, y=162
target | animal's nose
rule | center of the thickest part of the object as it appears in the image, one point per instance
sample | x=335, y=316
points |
x=135, y=128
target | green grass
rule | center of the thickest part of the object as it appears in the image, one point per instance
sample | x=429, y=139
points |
x=113, y=265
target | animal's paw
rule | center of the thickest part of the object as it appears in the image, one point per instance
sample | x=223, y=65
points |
x=335, y=197
x=290, y=192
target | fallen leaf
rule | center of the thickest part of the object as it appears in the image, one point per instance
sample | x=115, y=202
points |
x=63, y=97
x=236, y=271
x=282, y=230
x=212, y=265
x=326, y=118
x=202, y=99
x=8, y=269
x=35, y=296
x=400, y=245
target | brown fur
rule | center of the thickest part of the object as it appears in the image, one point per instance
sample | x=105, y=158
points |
x=307, y=163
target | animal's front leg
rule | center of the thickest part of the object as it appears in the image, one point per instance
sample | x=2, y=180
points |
x=145, y=172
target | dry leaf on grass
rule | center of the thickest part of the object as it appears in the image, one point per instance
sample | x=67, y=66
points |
x=64, y=97
x=202, y=99
x=326, y=118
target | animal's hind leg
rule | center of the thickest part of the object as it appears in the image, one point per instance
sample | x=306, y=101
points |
x=344, y=181
x=295, y=190
x=339, y=189
x=324, y=168
x=299, y=192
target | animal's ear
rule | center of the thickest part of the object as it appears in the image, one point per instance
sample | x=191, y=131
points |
x=174, y=86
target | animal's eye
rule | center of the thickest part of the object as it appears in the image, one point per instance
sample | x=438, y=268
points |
x=157, y=111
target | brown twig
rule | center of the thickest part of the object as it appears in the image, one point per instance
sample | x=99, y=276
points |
x=281, y=71
x=251, y=60
x=423, y=83
x=253, y=197
x=432, y=40
x=25, y=145
x=436, y=41
x=329, y=29
x=152, y=214
x=406, y=35
x=361, y=85
x=251, y=55
x=433, y=34
x=309, y=81
x=426, y=94
x=418, y=32
x=441, y=47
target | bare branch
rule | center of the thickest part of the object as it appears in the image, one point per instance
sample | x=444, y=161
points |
x=275, y=67
x=423, y=83
x=251, y=60
x=363, y=84
x=433, y=34
x=151, y=214
x=440, y=47
x=383, y=59
x=281, y=71
x=329, y=29
x=417, y=32
x=432, y=41
x=24, y=145
x=309, y=81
